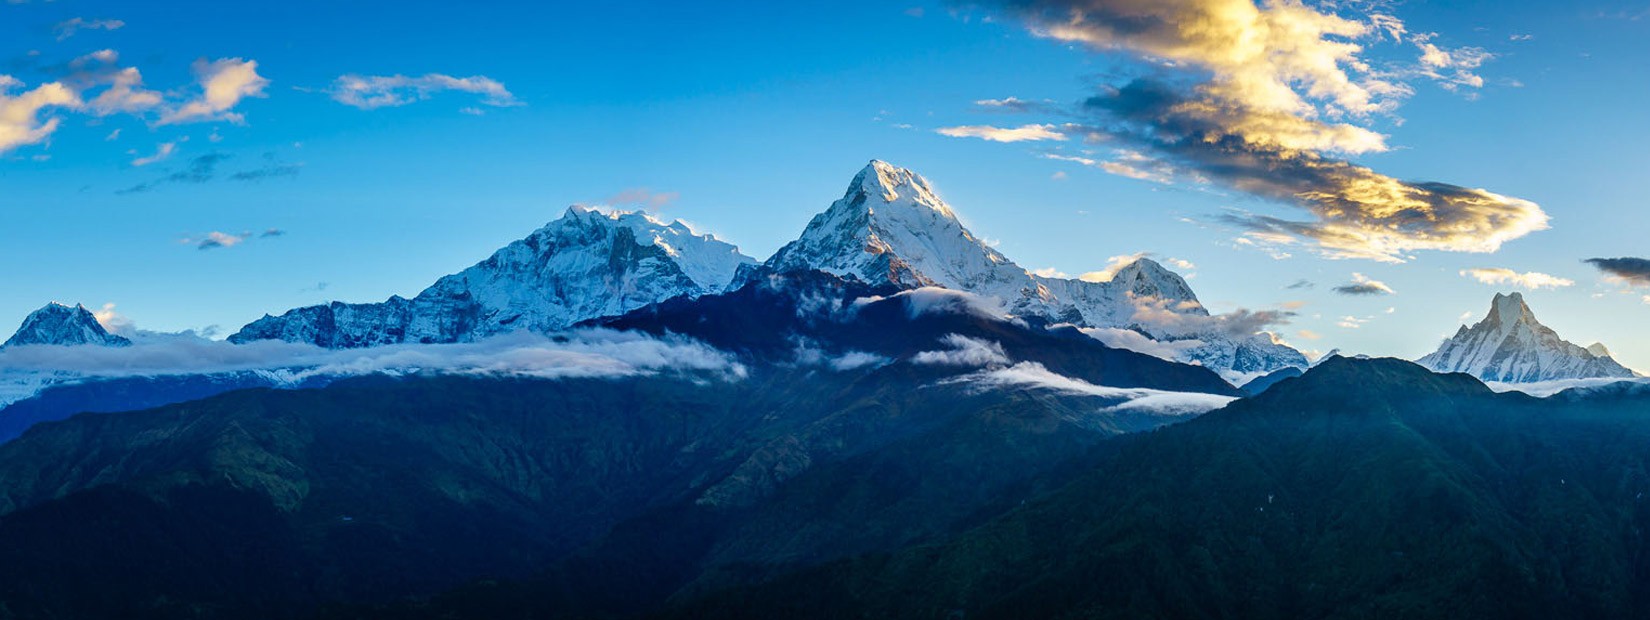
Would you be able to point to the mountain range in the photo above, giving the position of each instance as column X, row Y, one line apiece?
column 889, row 229
column 617, row 417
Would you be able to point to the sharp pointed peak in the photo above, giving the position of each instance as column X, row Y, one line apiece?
column 1510, row 308
column 891, row 183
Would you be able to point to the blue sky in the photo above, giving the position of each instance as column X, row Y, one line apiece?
column 746, row 119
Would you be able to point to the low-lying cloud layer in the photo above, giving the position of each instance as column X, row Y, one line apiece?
column 1138, row 400
column 583, row 353
column 963, row 351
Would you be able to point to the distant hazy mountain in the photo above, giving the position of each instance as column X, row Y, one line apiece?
column 1511, row 346
column 57, row 324
column 586, row 264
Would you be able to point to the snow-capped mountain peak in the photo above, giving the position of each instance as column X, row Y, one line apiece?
column 59, row 324
column 1511, row 346
column 891, row 228
column 892, row 183
column 587, row 264
column 1147, row 278
column 1509, row 310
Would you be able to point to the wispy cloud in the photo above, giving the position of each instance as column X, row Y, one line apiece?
column 1013, row 104
column 216, row 239
column 378, row 91
column 271, row 168
column 69, row 27
column 1531, row 279
column 642, row 197
column 1138, row 400
column 1364, row 285
column 1023, row 133
column 963, row 351
column 163, row 151
column 223, row 83
column 200, row 169
column 1168, row 319
column 576, row 354
column 21, row 121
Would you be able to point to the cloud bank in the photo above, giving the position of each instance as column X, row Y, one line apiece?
column 582, row 353
column 1268, row 100
column 1138, row 400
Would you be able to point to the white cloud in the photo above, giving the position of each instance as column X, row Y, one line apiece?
column 1531, row 279
column 20, row 122
column 809, row 353
column 377, row 91
column 68, row 28
column 1179, row 319
column 1023, row 133
column 1138, row 400
column 1113, row 265
column 1140, row 343
column 932, row 300
column 579, row 353
column 125, row 94
column 162, row 152
column 114, row 322
column 964, row 351
column 1543, row 389
column 224, row 83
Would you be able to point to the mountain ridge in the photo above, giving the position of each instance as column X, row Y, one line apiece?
column 586, row 264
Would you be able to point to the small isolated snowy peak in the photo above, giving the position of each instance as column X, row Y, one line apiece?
column 891, row 228
column 1511, row 346
column 587, row 264
column 58, row 324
